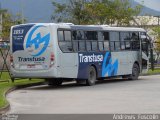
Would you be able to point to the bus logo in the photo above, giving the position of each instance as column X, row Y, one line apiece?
column 108, row 68
column 36, row 41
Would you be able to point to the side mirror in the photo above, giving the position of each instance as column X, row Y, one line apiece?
column 143, row 36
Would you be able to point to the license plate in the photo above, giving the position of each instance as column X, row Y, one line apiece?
column 31, row 66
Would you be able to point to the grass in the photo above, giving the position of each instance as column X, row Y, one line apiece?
column 156, row 71
column 4, row 76
column 6, row 85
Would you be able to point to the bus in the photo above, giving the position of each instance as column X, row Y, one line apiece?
column 59, row 52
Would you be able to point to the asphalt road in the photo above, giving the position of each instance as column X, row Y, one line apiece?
column 114, row 96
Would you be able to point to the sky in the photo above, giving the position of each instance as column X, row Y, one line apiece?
column 153, row 4
column 41, row 10
column 33, row 10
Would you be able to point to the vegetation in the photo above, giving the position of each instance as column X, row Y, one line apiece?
column 7, row 21
column 155, row 71
column 117, row 12
column 156, row 33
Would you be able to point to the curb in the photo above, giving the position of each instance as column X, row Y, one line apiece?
column 7, row 107
column 29, row 85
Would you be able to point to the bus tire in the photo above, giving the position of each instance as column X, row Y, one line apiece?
column 91, row 76
column 135, row 72
column 55, row 82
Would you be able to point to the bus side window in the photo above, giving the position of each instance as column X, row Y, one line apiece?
column 81, row 38
column 67, row 35
column 78, row 38
column 145, row 43
column 106, row 40
column 74, row 35
column 114, row 41
column 101, row 41
column 75, row 40
column 135, row 42
column 134, row 36
column 88, row 41
column 88, row 45
column 64, row 39
column 125, row 40
column 92, row 37
column 60, row 36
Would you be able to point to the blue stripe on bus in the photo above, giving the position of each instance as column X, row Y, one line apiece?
column 101, row 60
column 109, row 69
column 18, row 38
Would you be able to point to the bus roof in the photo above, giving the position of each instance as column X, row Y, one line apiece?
column 88, row 27
column 99, row 27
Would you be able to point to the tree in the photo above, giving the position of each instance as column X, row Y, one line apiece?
column 73, row 11
column 6, row 24
column 117, row 12
column 8, row 20
column 156, row 33
column 124, row 12
column 99, row 11
column 2, row 11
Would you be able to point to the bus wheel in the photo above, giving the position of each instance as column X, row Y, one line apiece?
column 135, row 72
column 91, row 76
column 55, row 82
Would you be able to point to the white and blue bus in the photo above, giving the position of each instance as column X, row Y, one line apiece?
column 85, row 53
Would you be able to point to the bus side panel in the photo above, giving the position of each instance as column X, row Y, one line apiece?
column 126, row 61
column 110, row 65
